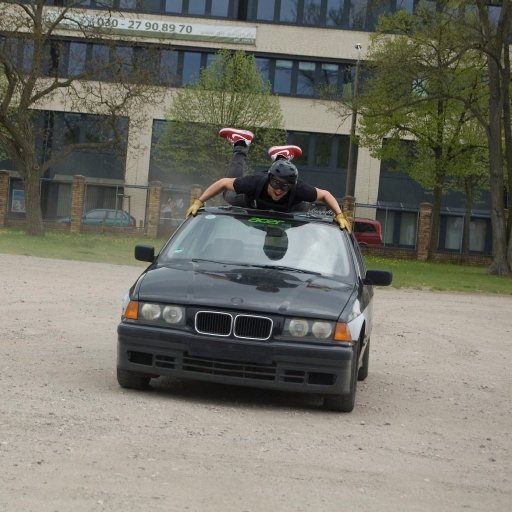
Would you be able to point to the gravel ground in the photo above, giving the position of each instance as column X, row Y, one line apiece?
column 431, row 430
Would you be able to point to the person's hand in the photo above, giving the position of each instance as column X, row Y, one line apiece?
column 343, row 222
column 193, row 208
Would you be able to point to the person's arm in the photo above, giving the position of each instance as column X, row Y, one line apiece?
column 214, row 189
column 339, row 217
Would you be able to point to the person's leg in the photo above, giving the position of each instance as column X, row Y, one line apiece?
column 240, row 140
column 236, row 170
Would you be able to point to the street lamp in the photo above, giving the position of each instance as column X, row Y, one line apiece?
column 350, row 184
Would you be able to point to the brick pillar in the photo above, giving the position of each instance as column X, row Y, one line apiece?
column 348, row 207
column 4, row 196
column 153, row 218
column 424, row 231
column 77, row 203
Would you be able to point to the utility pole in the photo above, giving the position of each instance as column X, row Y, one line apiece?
column 350, row 184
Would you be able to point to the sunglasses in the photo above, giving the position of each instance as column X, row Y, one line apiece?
column 277, row 184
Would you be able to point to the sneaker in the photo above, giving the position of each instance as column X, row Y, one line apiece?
column 288, row 152
column 235, row 135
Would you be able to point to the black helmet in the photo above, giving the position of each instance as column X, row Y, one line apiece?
column 284, row 169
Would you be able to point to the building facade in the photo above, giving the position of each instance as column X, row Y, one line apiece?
column 298, row 45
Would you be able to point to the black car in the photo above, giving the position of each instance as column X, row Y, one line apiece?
column 254, row 298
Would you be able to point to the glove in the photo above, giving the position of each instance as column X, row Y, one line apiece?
column 193, row 208
column 343, row 222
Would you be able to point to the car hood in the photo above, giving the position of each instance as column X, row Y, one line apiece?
column 266, row 290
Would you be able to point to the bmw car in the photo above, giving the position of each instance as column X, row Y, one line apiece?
column 255, row 298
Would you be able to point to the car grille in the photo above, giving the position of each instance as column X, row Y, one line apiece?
column 217, row 323
column 229, row 368
column 235, row 369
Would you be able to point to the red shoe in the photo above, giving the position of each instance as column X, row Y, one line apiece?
column 234, row 135
column 288, row 152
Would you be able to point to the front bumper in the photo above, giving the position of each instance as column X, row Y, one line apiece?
column 307, row 368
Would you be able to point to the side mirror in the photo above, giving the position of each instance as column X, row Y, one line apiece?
column 378, row 277
column 145, row 253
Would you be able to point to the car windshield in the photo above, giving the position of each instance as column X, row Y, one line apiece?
column 260, row 241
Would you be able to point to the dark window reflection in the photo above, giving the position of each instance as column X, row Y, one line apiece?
column 312, row 12
column 197, row 7
column 191, row 67
column 306, row 79
column 288, row 11
column 220, row 8
column 283, row 76
column 265, row 10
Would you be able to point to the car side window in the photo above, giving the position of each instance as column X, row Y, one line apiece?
column 96, row 214
column 359, row 257
column 364, row 227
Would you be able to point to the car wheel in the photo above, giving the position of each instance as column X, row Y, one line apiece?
column 363, row 371
column 344, row 403
column 131, row 380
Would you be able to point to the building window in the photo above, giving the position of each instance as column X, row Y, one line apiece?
column 408, row 222
column 128, row 4
column 265, row 10
column 264, row 67
column 77, row 56
column 149, row 6
column 288, row 11
column 191, row 67
column 173, row 6
column 313, row 13
column 283, row 77
column 477, row 235
column 220, row 8
column 323, row 150
column 306, row 79
column 124, row 61
column 169, row 68
column 337, row 14
column 301, row 139
column 342, row 156
column 99, row 60
column 197, row 7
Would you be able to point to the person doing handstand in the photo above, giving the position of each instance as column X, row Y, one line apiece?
column 278, row 189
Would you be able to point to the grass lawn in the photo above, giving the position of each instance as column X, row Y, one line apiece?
column 84, row 247
column 119, row 250
column 441, row 276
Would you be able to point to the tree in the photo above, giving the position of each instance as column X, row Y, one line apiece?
column 31, row 53
column 492, row 38
column 229, row 93
column 417, row 102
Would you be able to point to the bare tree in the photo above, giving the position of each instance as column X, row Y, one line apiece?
column 31, row 52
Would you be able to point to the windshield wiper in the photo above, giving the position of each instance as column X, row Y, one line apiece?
column 197, row 260
column 282, row 267
column 257, row 265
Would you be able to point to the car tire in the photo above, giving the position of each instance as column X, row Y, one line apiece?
column 363, row 371
column 344, row 403
column 132, row 380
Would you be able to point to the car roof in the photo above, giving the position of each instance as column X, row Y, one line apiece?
column 273, row 214
column 364, row 219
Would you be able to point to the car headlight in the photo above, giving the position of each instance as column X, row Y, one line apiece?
column 322, row 330
column 173, row 314
column 152, row 312
column 298, row 328
column 314, row 329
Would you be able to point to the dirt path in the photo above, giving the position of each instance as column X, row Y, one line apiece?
column 431, row 431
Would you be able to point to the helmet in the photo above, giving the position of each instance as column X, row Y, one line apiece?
column 284, row 169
